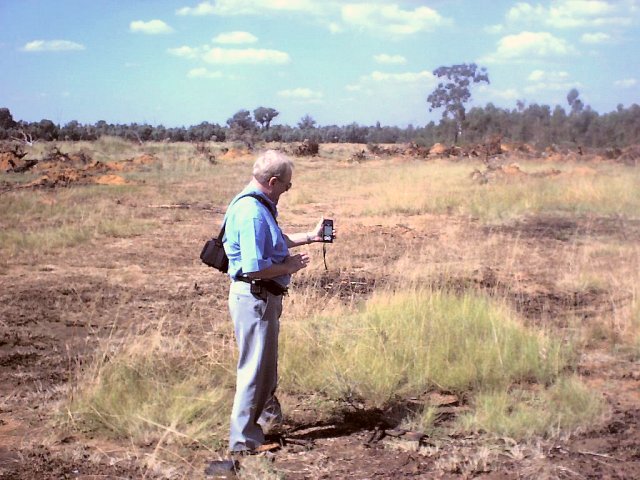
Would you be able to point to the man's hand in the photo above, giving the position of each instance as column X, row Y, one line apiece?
column 291, row 264
column 305, row 238
column 296, row 262
column 315, row 235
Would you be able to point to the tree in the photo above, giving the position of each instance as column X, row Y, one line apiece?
column 574, row 102
column 306, row 123
column 558, row 125
column 579, row 119
column 45, row 130
column 6, row 119
column 6, row 123
column 264, row 116
column 71, row 131
column 241, row 120
column 355, row 133
column 455, row 92
column 242, row 127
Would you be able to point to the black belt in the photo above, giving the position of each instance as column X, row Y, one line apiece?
column 270, row 286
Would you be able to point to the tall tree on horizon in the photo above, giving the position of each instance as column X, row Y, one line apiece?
column 453, row 92
column 264, row 116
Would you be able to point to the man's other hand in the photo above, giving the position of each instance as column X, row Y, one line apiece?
column 296, row 262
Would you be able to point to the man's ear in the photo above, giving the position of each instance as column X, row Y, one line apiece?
column 272, row 181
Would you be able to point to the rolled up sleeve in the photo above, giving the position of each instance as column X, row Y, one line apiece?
column 255, row 235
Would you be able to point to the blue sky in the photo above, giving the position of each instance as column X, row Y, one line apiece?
column 187, row 61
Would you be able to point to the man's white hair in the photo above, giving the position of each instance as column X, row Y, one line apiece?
column 271, row 163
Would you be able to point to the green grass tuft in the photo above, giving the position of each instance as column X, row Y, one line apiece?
column 154, row 389
column 565, row 406
column 406, row 343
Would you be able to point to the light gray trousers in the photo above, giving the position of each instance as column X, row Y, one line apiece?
column 257, row 324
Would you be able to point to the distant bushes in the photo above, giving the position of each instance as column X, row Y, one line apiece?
column 537, row 124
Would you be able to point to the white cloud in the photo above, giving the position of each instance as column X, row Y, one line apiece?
column 204, row 73
column 249, row 7
column 549, row 81
column 528, row 45
column 377, row 82
column 524, row 11
column 204, row 8
column 305, row 94
column 230, row 56
column 592, row 38
column 490, row 93
column 389, row 59
column 186, row 52
column 573, row 13
column 52, row 46
column 391, row 19
column 541, row 75
column 626, row 83
column 235, row 38
column 494, row 29
column 407, row 77
column 334, row 27
column 536, row 75
column 152, row 27
column 506, row 94
column 336, row 16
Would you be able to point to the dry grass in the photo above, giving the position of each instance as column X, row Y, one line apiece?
column 156, row 388
column 439, row 187
column 173, row 389
column 36, row 223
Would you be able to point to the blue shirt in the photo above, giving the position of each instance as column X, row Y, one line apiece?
column 253, row 240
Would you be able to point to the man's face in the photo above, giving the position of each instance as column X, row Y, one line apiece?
column 282, row 184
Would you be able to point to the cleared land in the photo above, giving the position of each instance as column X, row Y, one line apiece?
column 479, row 316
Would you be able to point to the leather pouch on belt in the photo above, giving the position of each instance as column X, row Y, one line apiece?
column 271, row 286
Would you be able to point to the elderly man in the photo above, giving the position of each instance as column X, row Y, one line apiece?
column 260, row 268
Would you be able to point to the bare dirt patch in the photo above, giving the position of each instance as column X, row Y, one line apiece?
column 344, row 285
column 565, row 229
column 12, row 157
column 58, row 169
column 41, row 462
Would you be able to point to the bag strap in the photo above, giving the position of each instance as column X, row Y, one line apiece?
column 261, row 199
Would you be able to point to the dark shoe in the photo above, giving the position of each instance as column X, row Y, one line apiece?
column 278, row 438
column 222, row 468
column 262, row 449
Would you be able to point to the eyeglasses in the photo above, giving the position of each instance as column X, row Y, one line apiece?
column 289, row 185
